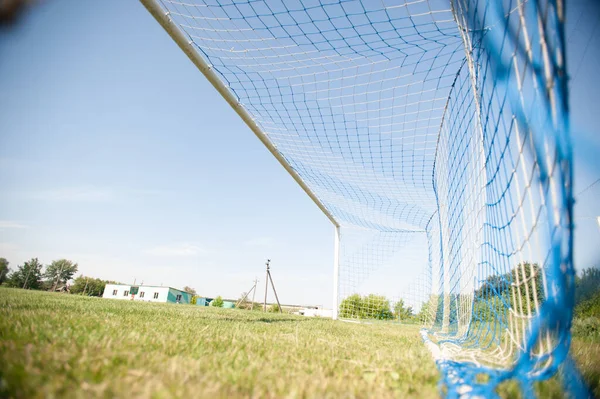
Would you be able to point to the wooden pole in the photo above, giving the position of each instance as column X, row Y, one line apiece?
column 86, row 284
column 27, row 277
column 273, row 285
column 254, row 293
column 266, row 286
column 245, row 296
column 58, row 277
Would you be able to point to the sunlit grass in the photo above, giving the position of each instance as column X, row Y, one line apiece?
column 61, row 345
column 58, row 345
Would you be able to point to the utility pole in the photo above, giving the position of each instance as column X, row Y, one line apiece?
column 276, row 297
column 87, row 279
column 58, row 277
column 27, row 277
column 253, row 289
column 254, row 293
column 266, row 286
column 269, row 278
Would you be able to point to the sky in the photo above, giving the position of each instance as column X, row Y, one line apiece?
column 117, row 153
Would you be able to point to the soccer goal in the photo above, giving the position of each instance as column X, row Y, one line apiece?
column 435, row 136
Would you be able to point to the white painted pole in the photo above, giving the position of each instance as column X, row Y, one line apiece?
column 336, row 272
column 187, row 45
column 598, row 221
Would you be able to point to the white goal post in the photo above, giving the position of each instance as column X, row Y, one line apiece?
column 187, row 47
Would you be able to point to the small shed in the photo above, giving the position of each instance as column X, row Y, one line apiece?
column 228, row 305
column 203, row 301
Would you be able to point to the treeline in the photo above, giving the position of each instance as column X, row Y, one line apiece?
column 520, row 289
column 376, row 307
column 586, row 322
column 33, row 275
column 89, row 286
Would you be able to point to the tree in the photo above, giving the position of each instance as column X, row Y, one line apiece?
column 497, row 290
column 274, row 308
column 351, row 306
column 528, row 277
column 492, row 309
column 368, row 307
column 494, row 285
column 4, row 270
column 88, row 286
column 28, row 275
column 190, row 290
column 402, row 312
column 376, row 307
column 426, row 313
column 218, row 302
column 587, row 285
column 59, row 272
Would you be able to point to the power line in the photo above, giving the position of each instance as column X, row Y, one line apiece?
column 585, row 50
column 588, row 187
column 577, row 25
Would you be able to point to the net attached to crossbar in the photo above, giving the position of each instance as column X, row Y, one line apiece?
column 435, row 135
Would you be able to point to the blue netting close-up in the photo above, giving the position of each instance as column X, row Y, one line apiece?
column 435, row 134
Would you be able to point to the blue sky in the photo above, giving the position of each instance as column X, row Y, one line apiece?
column 116, row 152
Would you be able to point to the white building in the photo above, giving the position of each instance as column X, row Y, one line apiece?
column 148, row 293
column 316, row 312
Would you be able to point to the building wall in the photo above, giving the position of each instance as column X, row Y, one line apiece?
column 149, row 292
column 228, row 305
column 311, row 312
column 117, row 291
column 173, row 295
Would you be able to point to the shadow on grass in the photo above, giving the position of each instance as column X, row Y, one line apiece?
column 265, row 320
column 286, row 320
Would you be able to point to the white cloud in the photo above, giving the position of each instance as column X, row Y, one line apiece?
column 259, row 242
column 8, row 224
column 75, row 194
column 90, row 193
column 181, row 249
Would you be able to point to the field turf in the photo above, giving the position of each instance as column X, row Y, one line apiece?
column 58, row 345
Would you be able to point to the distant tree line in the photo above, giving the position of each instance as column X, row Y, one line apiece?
column 90, row 286
column 32, row 275
column 519, row 289
column 586, row 322
column 374, row 306
column 587, row 285
column 522, row 287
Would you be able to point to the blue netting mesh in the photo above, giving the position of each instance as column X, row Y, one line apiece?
column 436, row 135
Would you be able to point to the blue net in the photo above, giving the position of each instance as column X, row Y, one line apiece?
column 435, row 135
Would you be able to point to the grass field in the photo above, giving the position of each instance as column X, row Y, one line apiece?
column 57, row 345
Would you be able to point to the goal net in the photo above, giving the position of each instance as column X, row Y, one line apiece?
column 434, row 135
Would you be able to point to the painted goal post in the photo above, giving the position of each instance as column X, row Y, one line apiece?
column 434, row 135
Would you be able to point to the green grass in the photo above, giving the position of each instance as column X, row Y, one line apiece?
column 61, row 345
column 57, row 345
